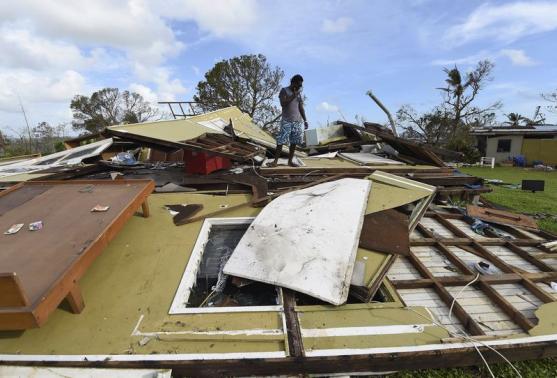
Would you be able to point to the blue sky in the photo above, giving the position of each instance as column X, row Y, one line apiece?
column 52, row 50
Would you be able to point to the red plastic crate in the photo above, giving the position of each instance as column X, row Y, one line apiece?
column 202, row 163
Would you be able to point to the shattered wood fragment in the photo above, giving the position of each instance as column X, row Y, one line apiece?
column 386, row 231
column 501, row 217
column 184, row 212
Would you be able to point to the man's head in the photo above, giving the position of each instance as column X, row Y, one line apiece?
column 296, row 82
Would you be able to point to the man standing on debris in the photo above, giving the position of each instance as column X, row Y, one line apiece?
column 293, row 114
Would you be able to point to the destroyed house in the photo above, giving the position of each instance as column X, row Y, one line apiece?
column 189, row 256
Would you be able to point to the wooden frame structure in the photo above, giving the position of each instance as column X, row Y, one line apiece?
column 20, row 309
column 481, row 247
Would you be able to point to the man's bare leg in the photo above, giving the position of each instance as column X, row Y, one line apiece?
column 277, row 155
column 291, row 155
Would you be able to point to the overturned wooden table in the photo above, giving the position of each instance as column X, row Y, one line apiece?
column 39, row 269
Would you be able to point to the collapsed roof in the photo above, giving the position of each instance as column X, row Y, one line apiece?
column 352, row 259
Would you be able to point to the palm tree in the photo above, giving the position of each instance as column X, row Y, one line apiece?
column 514, row 119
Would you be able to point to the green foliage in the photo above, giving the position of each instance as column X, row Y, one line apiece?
column 59, row 146
column 528, row 369
column 463, row 142
column 108, row 107
column 247, row 82
column 448, row 124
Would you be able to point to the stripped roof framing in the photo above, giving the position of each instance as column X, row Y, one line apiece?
column 509, row 273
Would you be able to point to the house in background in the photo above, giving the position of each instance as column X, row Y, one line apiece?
column 535, row 143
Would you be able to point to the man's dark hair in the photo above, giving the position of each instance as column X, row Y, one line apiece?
column 297, row 79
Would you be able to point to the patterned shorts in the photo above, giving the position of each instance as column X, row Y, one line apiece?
column 290, row 133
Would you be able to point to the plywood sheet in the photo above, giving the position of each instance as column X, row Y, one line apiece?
column 43, row 259
column 306, row 240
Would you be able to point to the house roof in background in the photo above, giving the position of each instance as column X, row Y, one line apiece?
column 518, row 130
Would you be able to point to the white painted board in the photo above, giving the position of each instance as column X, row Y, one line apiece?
column 306, row 240
column 369, row 158
column 54, row 372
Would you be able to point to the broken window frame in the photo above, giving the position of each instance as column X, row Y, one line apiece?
column 187, row 282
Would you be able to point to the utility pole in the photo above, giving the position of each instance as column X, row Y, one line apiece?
column 380, row 104
column 27, row 123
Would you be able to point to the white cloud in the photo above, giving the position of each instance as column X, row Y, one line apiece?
column 221, row 18
column 467, row 60
column 505, row 22
column 518, row 57
column 515, row 56
column 326, row 107
column 33, row 86
column 340, row 25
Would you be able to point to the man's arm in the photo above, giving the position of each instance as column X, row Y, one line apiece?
column 303, row 114
column 286, row 99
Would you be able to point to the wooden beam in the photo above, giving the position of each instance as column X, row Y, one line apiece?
column 11, row 291
column 512, row 312
column 294, row 333
column 145, row 208
column 75, row 300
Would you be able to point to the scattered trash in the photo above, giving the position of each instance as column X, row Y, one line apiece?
column 494, row 181
column 483, row 267
column 124, row 158
column 173, row 188
column 144, row 341
column 181, row 213
column 554, row 286
column 543, row 167
column 14, row 229
column 99, row 209
column 87, row 189
column 35, row 226
column 552, row 245
column 113, row 175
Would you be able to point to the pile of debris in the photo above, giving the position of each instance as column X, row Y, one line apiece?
column 356, row 259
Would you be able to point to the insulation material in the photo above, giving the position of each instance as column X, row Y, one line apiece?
column 289, row 244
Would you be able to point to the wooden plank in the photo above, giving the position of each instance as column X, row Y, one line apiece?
column 75, row 300
column 512, row 312
column 56, row 282
column 11, row 292
column 501, row 217
column 374, row 237
column 145, row 208
column 469, row 323
column 410, row 360
column 295, row 341
column 528, row 257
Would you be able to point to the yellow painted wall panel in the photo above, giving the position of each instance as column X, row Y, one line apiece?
column 540, row 149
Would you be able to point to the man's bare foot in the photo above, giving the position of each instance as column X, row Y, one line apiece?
column 292, row 164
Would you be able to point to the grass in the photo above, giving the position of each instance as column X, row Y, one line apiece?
column 528, row 369
column 521, row 201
